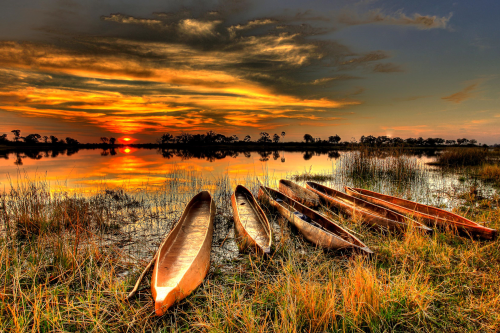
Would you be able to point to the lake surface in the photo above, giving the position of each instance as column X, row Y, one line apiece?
column 87, row 171
column 130, row 168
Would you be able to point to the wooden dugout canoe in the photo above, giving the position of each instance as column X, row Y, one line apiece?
column 431, row 216
column 250, row 223
column 183, row 259
column 298, row 193
column 370, row 214
column 314, row 227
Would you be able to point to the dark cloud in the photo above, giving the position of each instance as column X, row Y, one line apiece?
column 387, row 67
column 399, row 18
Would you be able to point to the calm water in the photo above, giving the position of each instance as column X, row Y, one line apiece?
column 88, row 170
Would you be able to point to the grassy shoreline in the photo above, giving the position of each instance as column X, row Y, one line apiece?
column 73, row 272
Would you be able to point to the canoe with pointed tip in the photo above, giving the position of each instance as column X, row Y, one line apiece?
column 370, row 214
column 250, row 223
column 431, row 216
column 183, row 258
column 299, row 193
column 316, row 228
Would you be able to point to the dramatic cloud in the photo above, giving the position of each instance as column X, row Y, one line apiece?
column 377, row 17
column 463, row 95
column 185, row 72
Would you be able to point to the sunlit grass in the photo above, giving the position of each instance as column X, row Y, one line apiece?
column 73, row 270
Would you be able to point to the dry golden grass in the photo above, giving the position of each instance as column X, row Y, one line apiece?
column 74, row 278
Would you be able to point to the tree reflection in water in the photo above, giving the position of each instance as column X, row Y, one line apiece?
column 210, row 155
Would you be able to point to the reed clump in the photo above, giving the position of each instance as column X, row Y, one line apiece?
column 490, row 172
column 368, row 165
column 453, row 157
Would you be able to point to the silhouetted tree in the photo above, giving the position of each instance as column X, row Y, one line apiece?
column 451, row 142
column 111, row 141
column 264, row 137
column 165, row 138
column 54, row 139
column 283, row 135
column 183, row 138
column 45, row 139
column 334, row 139
column 397, row 141
column 276, row 138
column 308, row 138
column 420, row 141
column 104, row 140
column 463, row 141
column 17, row 135
column 368, row 140
column 247, row 154
column 333, row 154
column 247, row 138
column 411, row 141
column 71, row 141
column 473, row 142
column 276, row 155
column 210, row 137
column 3, row 138
column 32, row 138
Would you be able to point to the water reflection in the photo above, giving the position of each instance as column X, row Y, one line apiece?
column 133, row 168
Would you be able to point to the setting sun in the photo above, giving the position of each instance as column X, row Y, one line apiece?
column 126, row 139
column 126, row 150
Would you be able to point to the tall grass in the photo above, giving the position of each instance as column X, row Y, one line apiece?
column 462, row 157
column 76, row 279
column 391, row 166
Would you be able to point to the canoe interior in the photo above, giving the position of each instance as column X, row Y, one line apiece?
column 312, row 217
column 251, row 218
column 299, row 193
column 175, row 258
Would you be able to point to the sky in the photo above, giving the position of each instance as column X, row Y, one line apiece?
column 124, row 68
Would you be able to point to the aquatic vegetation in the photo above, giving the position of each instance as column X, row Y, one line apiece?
column 462, row 157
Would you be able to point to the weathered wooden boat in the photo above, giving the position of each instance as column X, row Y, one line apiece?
column 183, row 259
column 299, row 193
column 431, row 216
column 250, row 223
column 370, row 214
column 316, row 228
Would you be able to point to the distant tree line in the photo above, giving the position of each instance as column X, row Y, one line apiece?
column 213, row 138
column 37, row 139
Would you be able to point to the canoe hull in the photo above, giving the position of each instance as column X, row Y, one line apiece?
column 245, row 234
column 370, row 214
column 299, row 193
column 431, row 216
column 195, row 261
column 313, row 234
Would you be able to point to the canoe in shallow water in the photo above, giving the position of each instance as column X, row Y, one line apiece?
column 250, row 223
column 183, row 258
column 431, row 216
column 369, row 213
column 299, row 193
column 314, row 227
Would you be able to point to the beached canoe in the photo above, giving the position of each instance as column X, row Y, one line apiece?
column 183, row 258
column 316, row 228
column 431, row 216
column 369, row 213
column 250, row 223
column 299, row 193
